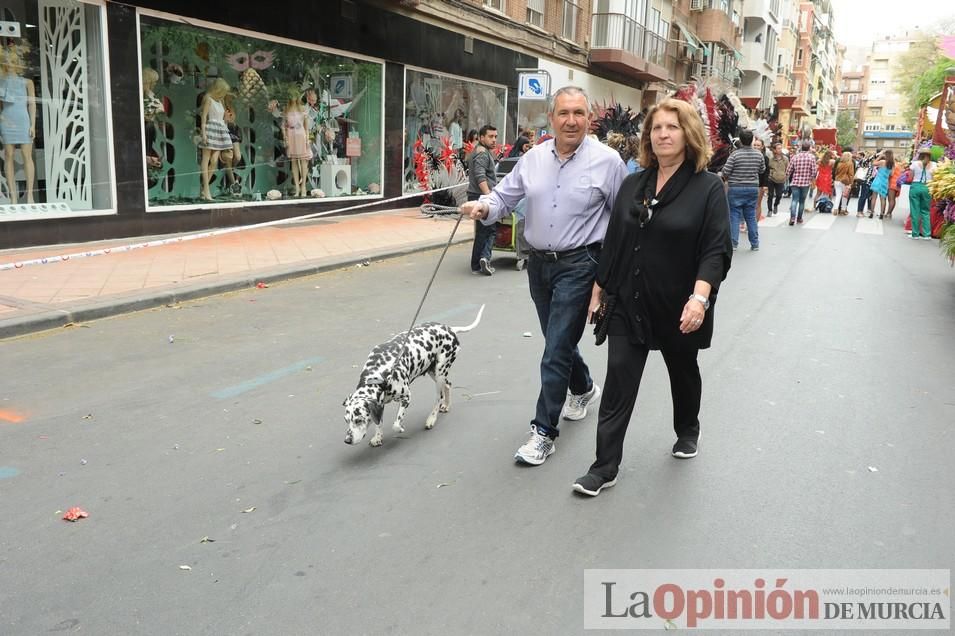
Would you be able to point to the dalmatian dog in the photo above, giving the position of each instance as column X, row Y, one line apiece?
column 391, row 368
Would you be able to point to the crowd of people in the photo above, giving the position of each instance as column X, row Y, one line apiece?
column 636, row 239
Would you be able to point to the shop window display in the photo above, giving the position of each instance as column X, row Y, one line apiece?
column 56, row 152
column 440, row 110
column 231, row 118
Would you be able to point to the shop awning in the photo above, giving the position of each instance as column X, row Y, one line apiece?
column 689, row 38
column 739, row 56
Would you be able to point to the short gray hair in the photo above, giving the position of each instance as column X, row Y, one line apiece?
column 572, row 91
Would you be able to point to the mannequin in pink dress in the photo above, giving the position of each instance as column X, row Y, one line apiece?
column 295, row 135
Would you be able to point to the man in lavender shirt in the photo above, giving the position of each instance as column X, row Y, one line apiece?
column 570, row 183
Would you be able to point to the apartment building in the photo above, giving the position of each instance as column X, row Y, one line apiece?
column 760, row 43
column 826, row 53
column 883, row 125
column 720, row 28
column 788, row 42
column 814, row 67
column 852, row 86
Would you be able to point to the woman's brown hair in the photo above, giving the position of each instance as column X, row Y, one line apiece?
column 697, row 145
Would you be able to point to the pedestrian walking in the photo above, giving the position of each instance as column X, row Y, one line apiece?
column 778, row 165
column 880, row 184
column 763, row 178
column 801, row 174
column 865, row 193
column 919, row 198
column 667, row 251
column 482, row 176
column 824, row 177
column 570, row 183
column 741, row 174
column 894, row 187
column 844, row 172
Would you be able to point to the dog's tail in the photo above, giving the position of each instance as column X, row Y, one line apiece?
column 472, row 325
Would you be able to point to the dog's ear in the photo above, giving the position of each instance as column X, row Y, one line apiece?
column 377, row 410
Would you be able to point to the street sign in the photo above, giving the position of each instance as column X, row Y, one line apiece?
column 534, row 86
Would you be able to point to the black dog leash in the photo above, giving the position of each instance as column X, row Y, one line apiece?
column 432, row 210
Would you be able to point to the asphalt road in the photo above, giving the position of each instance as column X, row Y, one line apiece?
column 222, row 419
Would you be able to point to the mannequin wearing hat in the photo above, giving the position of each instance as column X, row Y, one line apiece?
column 17, row 120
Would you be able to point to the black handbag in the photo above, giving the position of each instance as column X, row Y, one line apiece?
column 602, row 316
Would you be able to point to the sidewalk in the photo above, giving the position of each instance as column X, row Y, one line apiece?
column 38, row 297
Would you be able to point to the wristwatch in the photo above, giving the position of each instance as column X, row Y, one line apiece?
column 702, row 299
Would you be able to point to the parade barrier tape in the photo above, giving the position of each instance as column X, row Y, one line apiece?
column 191, row 237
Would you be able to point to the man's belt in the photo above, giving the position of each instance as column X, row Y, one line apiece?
column 553, row 257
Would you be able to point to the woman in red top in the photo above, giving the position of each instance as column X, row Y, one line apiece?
column 824, row 177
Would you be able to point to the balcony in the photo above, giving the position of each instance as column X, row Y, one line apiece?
column 714, row 25
column 754, row 59
column 765, row 10
column 622, row 45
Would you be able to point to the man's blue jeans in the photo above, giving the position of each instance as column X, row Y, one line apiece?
column 864, row 192
column 742, row 200
column 561, row 292
column 798, row 202
column 484, row 236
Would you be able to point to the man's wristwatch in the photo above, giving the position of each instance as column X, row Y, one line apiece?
column 702, row 299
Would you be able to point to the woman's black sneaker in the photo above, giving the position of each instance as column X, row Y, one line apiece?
column 685, row 448
column 591, row 484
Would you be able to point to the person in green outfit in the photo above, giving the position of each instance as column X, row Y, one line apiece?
column 919, row 198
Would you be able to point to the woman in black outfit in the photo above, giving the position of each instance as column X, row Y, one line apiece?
column 763, row 179
column 666, row 251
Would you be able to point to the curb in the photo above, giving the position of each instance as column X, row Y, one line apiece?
column 123, row 304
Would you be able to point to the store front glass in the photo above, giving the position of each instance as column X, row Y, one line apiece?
column 54, row 132
column 232, row 118
column 442, row 109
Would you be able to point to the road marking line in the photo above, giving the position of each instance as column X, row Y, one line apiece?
column 7, row 472
column 774, row 221
column 869, row 226
column 820, row 222
column 262, row 380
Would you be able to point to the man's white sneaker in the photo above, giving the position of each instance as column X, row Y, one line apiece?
column 536, row 449
column 576, row 406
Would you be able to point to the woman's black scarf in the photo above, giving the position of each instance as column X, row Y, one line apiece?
column 647, row 202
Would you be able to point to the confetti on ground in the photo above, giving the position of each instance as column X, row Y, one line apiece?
column 247, row 510
column 207, row 540
column 184, row 567
column 261, row 285
column 528, row 334
column 873, row 469
column 75, row 514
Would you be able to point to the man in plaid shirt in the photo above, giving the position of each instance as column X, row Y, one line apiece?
column 802, row 174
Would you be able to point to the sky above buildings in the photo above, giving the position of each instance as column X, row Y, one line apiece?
column 860, row 22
